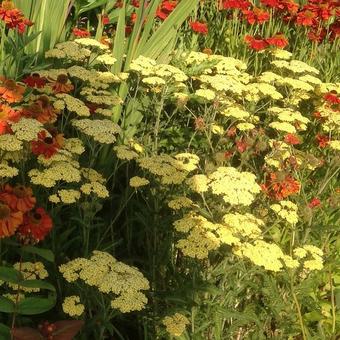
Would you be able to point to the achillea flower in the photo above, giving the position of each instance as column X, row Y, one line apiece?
column 72, row 306
column 256, row 43
column 37, row 224
column 9, row 220
column 18, row 198
column 80, row 32
column 199, row 27
column 10, row 91
column 35, row 81
column 45, row 145
column 62, row 84
column 278, row 40
column 175, row 324
column 7, row 114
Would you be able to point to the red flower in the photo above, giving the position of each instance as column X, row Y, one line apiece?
column 37, row 224
column 322, row 140
column 135, row 3
column 105, row 20
column 9, row 220
column 256, row 43
column 256, row 16
column 279, row 186
column 62, row 85
column 236, row 4
column 199, row 27
column 165, row 8
column 12, row 17
column 292, row 139
column 332, row 98
column 10, row 91
column 278, row 4
column 241, row 146
column 35, row 80
column 45, row 145
column 18, row 198
column 7, row 114
column 278, row 40
column 306, row 18
column 315, row 202
column 41, row 110
column 80, row 32
column 317, row 35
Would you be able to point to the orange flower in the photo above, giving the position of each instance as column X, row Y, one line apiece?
column 7, row 114
column 9, row 220
column 19, row 198
column 41, row 110
column 62, row 84
column 280, row 185
column 47, row 145
column 37, row 224
column 10, row 91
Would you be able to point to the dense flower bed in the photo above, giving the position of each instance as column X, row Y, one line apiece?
column 193, row 198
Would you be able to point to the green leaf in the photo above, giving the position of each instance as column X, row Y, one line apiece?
column 35, row 305
column 11, row 275
column 44, row 253
column 4, row 332
column 6, row 306
column 37, row 284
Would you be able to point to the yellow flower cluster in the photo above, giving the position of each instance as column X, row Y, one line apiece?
column 68, row 50
column 101, row 97
column 66, row 196
column 74, row 105
column 202, row 236
column 58, row 171
column 180, row 202
column 311, row 257
column 246, row 225
column 7, row 170
column 125, row 153
column 175, row 324
column 27, row 129
column 95, row 188
column 30, row 271
column 74, row 145
column 267, row 255
column 198, row 183
column 91, row 43
column 170, row 170
column 286, row 210
column 136, row 182
column 291, row 116
column 237, row 188
column 10, row 143
column 123, row 284
column 102, row 131
column 72, row 306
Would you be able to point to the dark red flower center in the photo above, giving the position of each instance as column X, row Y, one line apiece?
column 62, row 79
column 5, row 211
